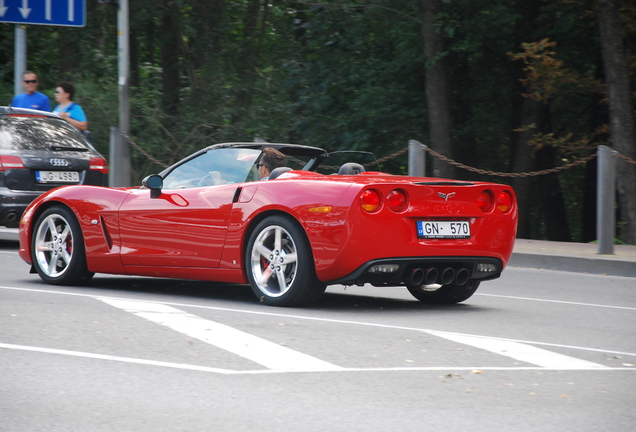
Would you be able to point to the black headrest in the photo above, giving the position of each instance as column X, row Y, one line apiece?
column 351, row 168
column 278, row 171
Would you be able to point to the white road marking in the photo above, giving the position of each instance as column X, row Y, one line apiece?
column 113, row 358
column 522, row 348
column 182, row 366
column 558, row 301
column 519, row 351
column 261, row 351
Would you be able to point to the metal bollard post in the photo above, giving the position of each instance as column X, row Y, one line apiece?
column 417, row 159
column 114, row 156
column 606, row 200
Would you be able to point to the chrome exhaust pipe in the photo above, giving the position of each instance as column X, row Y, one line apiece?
column 462, row 276
column 431, row 276
column 416, row 277
column 448, row 276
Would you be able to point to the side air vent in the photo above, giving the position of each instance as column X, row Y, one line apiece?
column 109, row 242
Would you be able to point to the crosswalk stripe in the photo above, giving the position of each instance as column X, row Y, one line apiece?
column 258, row 350
column 519, row 351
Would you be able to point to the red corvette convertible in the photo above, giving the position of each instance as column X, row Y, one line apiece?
column 312, row 224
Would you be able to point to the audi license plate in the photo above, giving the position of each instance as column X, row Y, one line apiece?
column 443, row 229
column 57, row 176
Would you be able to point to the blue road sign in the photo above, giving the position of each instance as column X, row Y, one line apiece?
column 70, row 13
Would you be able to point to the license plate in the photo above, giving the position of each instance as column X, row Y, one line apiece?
column 443, row 229
column 57, row 176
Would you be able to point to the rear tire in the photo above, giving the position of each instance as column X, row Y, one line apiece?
column 446, row 294
column 280, row 265
column 57, row 248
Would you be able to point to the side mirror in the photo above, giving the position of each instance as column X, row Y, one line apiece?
column 154, row 182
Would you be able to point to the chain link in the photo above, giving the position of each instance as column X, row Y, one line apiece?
column 626, row 158
column 150, row 157
column 393, row 156
column 502, row 174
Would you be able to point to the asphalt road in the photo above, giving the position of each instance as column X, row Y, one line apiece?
column 534, row 350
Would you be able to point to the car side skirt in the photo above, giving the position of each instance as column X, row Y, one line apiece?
column 192, row 273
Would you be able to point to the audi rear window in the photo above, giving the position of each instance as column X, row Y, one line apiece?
column 38, row 133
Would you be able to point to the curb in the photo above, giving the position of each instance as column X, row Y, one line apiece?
column 9, row 234
column 593, row 265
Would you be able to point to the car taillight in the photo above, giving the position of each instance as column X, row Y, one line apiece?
column 10, row 162
column 370, row 200
column 484, row 201
column 396, row 200
column 99, row 164
column 504, row 201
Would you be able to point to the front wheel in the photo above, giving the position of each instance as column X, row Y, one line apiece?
column 280, row 265
column 444, row 294
column 57, row 248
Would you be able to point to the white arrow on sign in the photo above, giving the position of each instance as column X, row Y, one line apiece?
column 25, row 10
column 3, row 8
column 71, row 10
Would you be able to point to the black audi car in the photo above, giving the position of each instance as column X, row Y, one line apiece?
column 40, row 151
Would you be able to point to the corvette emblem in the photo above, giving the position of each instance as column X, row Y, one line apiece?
column 59, row 162
column 446, row 196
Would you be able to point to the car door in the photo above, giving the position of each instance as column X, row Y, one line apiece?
column 184, row 228
column 186, row 225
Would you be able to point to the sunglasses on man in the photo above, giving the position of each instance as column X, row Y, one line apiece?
column 30, row 81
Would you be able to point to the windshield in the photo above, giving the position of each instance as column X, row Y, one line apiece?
column 215, row 167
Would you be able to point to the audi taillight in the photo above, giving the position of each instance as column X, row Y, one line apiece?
column 370, row 200
column 504, row 201
column 99, row 164
column 10, row 162
column 485, row 200
column 396, row 200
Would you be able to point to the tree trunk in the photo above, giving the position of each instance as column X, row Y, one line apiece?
column 439, row 116
column 554, row 224
column 134, row 58
column 67, row 58
column 623, row 132
column 169, row 59
column 249, row 58
column 523, row 161
column 207, row 38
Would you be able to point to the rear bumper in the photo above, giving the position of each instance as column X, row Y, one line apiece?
column 12, row 205
column 423, row 270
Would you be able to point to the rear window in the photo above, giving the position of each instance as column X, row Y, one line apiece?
column 37, row 133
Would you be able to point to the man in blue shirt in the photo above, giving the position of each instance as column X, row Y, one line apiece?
column 31, row 98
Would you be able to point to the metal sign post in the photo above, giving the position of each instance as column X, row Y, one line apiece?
column 20, row 57
column 120, row 173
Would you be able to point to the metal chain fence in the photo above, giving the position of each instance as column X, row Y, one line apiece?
column 437, row 155
column 526, row 174
column 143, row 152
column 502, row 174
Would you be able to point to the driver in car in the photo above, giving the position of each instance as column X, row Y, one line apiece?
column 270, row 159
